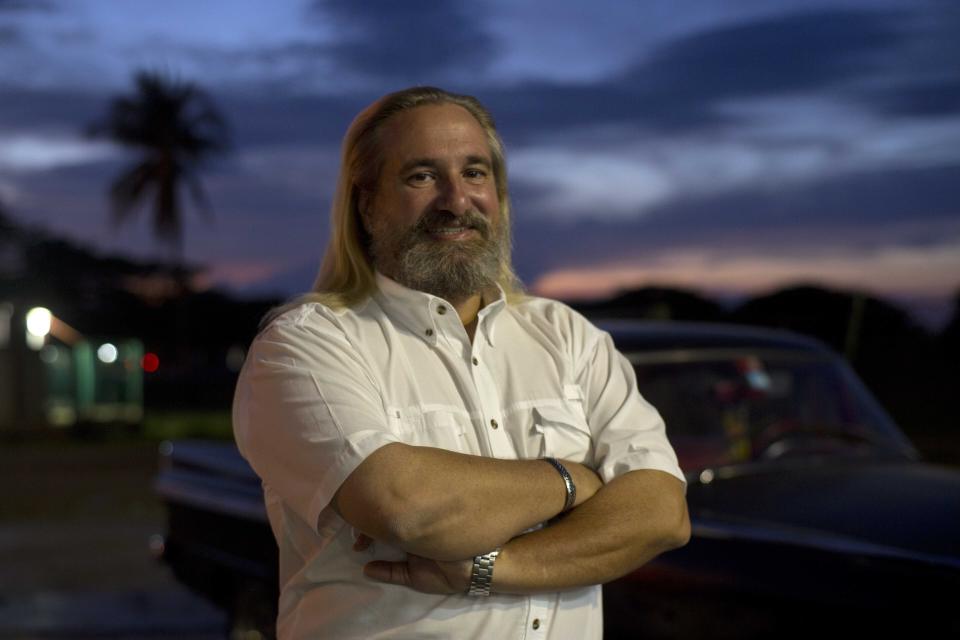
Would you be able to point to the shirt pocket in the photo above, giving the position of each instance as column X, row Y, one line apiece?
column 439, row 428
column 562, row 432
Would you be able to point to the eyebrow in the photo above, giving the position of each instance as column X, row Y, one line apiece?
column 431, row 163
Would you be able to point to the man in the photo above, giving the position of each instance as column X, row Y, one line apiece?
column 442, row 456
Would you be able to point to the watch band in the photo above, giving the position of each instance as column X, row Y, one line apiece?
column 481, row 578
column 567, row 481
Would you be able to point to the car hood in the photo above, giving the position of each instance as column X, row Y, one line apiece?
column 898, row 507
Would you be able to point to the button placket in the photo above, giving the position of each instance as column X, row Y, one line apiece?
column 539, row 612
column 496, row 439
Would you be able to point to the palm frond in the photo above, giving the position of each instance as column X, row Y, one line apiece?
column 176, row 126
column 167, row 221
column 127, row 191
column 199, row 196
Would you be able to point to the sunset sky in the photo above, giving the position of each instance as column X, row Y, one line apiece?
column 726, row 146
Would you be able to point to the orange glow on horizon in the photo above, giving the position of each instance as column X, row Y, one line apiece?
column 914, row 272
column 237, row 273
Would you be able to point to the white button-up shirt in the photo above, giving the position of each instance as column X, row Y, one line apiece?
column 323, row 388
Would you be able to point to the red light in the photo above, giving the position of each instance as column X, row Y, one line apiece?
column 150, row 362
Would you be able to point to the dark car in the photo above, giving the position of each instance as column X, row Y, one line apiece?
column 811, row 511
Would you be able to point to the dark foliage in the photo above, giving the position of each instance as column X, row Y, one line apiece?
column 655, row 303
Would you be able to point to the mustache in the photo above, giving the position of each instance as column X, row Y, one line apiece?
column 437, row 219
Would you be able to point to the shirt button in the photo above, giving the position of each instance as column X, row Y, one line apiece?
column 429, row 332
column 441, row 309
column 475, row 361
column 494, row 424
column 536, row 623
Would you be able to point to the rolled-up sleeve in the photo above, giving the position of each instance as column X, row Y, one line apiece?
column 628, row 432
column 306, row 413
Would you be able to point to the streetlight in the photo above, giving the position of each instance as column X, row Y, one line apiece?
column 39, row 321
column 107, row 353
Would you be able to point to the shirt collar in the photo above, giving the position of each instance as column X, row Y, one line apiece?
column 427, row 315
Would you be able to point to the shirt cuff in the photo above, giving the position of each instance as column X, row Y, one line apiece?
column 641, row 460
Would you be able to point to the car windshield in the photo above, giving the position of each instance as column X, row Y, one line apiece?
column 725, row 407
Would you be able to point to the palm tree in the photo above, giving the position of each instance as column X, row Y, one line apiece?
column 175, row 126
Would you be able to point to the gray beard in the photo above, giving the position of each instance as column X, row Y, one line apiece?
column 453, row 271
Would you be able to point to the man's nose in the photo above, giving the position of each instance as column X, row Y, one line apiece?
column 453, row 197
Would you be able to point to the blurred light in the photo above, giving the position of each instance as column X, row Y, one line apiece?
column 235, row 357
column 706, row 476
column 157, row 545
column 35, row 342
column 39, row 320
column 49, row 353
column 107, row 353
column 6, row 314
column 150, row 362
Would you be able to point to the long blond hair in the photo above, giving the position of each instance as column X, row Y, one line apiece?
column 346, row 274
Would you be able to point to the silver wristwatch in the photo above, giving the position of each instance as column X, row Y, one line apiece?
column 567, row 481
column 482, row 576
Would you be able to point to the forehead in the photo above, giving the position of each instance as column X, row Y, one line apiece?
column 439, row 132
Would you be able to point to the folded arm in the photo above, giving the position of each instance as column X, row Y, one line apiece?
column 637, row 515
column 448, row 506
column 627, row 523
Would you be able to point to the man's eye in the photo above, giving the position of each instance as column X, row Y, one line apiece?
column 475, row 174
column 420, row 178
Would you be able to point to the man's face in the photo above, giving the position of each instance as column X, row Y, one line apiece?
column 434, row 217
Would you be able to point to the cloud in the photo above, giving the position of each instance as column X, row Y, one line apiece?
column 258, row 118
column 930, row 98
column 784, row 146
column 793, row 53
column 864, row 198
column 259, row 215
column 27, row 152
column 857, row 213
column 769, row 134
column 415, row 41
column 22, row 6
column 282, row 118
column 30, row 109
column 10, row 36
column 682, row 85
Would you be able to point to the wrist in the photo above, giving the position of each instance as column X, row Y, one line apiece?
column 569, row 485
column 481, row 576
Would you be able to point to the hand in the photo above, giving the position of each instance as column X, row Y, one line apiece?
column 423, row 574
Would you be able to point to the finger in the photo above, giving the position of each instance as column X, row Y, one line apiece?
column 390, row 572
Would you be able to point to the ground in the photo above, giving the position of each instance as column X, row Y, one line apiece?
column 76, row 523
